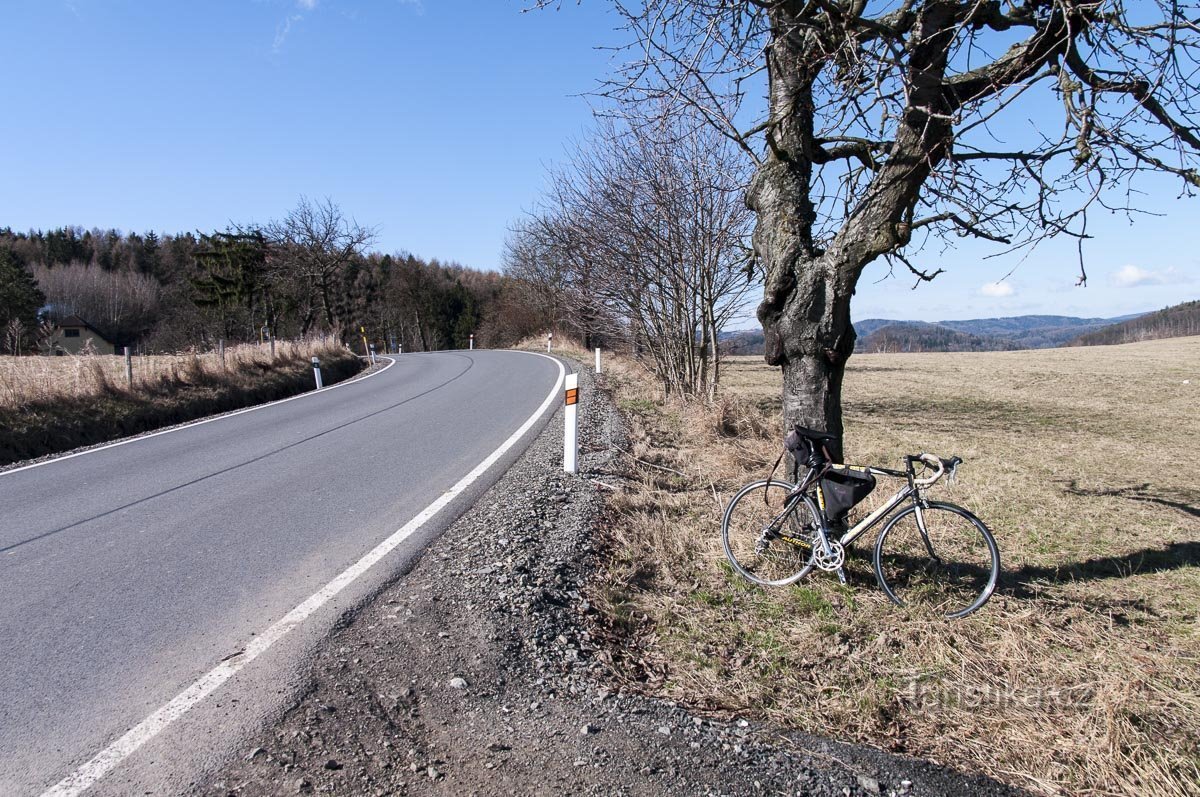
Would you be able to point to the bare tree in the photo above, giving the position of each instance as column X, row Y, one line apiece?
column 123, row 305
column 313, row 245
column 646, row 227
column 888, row 123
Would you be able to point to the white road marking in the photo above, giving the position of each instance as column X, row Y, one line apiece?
column 108, row 758
column 200, row 422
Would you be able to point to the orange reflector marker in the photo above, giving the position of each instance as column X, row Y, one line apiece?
column 572, row 396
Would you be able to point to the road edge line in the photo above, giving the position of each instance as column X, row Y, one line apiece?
column 110, row 757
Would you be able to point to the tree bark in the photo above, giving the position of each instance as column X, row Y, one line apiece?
column 805, row 310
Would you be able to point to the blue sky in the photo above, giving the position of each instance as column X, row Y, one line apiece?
column 432, row 120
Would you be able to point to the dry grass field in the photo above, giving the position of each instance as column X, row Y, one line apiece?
column 27, row 380
column 1081, row 676
column 52, row 404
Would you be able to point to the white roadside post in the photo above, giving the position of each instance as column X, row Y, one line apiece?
column 571, row 425
column 371, row 349
column 549, row 340
column 316, row 361
column 400, row 349
column 472, row 342
column 597, row 361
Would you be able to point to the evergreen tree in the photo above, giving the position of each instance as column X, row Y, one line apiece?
column 20, row 297
column 231, row 281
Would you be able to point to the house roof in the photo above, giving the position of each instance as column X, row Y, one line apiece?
column 76, row 321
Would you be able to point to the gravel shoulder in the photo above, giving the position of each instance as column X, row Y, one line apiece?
column 475, row 673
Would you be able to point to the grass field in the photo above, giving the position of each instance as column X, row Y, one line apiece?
column 1082, row 675
column 53, row 404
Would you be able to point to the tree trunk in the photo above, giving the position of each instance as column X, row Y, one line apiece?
column 805, row 310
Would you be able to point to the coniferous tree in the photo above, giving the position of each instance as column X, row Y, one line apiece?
column 20, row 298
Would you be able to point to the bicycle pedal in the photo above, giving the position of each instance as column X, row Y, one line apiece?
column 841, row 576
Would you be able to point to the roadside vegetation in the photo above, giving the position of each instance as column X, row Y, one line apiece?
column 54, row 404
column 1082, row 675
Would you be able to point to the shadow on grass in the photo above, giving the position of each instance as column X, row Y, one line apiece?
column 1141, row 492
column 1022, row 582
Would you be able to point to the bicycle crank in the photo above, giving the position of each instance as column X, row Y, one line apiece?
column 833, row 560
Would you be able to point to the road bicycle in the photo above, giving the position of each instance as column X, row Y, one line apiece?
column 930, row 554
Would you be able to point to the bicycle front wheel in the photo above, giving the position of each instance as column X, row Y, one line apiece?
column 938, row 558
column 767, row 541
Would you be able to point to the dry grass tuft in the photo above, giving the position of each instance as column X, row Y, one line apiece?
column 52, row 404
column 1082, row 675
column 33, row 380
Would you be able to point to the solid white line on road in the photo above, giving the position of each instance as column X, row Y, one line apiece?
column 108, row 758
column 200, row 422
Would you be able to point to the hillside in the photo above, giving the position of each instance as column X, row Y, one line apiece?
column 978, row 334
column 1172, row 322
column 918, row 336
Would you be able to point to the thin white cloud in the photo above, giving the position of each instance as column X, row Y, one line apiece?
column 1133, row 276
column 285, row 27
column 1130, row 276
column 997, row 290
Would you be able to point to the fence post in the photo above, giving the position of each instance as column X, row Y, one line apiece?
column 571, row 425
column 272, row 347
column 221, row 351
column 128, row 368
column 597, row 361
column 316, row 361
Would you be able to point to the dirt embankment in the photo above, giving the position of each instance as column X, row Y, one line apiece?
column 61, row 423
column 484, row 671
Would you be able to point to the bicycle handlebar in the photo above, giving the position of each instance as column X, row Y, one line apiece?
column 941, row 465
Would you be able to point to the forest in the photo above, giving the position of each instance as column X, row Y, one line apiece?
column 309, row 273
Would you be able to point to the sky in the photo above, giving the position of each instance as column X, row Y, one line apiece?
column 432, row 121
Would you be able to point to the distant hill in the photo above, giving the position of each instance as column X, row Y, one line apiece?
column 1172, row 322
column 749, row 341
column 916, row 336
column 980, row 334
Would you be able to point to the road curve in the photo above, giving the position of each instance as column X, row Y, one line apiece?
column 129, row 572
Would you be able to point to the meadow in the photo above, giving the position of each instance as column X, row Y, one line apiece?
column 54, row 404
column 1081, row 676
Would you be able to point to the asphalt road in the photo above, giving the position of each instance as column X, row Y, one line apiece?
column 128, row 572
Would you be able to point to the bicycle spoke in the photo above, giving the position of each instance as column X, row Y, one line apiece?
column 765, row 543
column 946, row 565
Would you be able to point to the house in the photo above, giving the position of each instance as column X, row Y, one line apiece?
column 72, row 334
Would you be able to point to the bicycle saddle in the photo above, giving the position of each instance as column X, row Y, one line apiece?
column 813, row 434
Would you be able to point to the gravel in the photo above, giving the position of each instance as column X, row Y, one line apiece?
column 475, row 674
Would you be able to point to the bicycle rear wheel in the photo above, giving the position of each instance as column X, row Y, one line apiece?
column 767, row 542
column 938, row 558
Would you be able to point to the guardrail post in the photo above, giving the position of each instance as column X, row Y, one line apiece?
column 128, row 368
column 571, row 425
column 316, row 362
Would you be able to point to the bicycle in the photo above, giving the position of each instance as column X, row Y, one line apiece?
column 930, row 554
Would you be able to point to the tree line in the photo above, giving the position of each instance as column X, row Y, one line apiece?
column 310, row 272
column 1181, row 320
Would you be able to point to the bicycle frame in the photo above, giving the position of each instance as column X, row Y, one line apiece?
column 910, row 490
